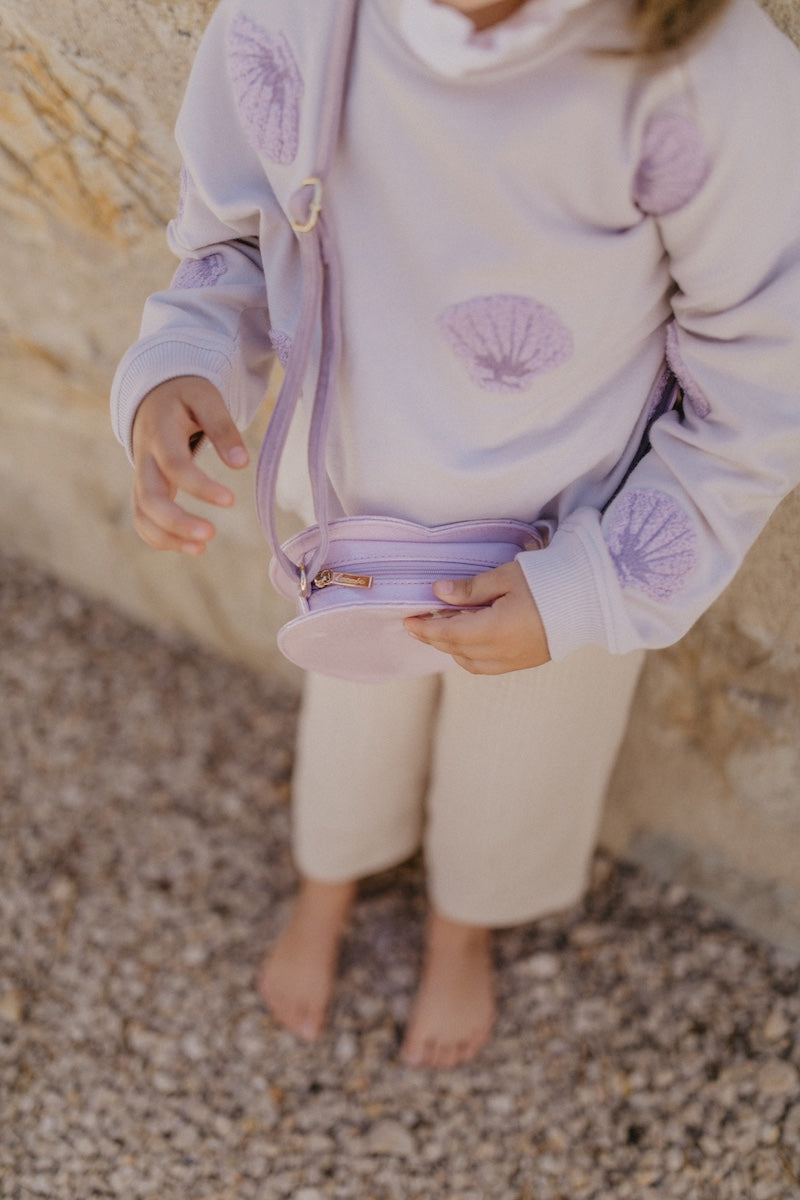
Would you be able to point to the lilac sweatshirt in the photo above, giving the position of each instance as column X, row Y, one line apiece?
column 528, row 230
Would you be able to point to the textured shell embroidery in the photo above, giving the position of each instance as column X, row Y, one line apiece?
column 673, row 166
column 691, row 389
column 506, row 341
column 199, row 272
column 268, row 88
column 651, row 541
column 281, row 343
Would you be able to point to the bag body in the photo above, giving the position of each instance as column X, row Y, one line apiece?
column 378, row 570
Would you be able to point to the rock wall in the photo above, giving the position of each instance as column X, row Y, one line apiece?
column 708, row 782
column 88, row 178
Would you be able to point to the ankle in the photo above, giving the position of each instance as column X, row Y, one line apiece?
column 325, row 904
column 442, row 931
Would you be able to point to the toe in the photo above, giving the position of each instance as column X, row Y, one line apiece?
column 308, row 1024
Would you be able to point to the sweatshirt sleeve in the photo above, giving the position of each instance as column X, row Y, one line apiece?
column 212, row 320
column 720, row 175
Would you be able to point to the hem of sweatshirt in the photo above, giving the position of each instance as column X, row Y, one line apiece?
column 155, row 360
column 563, row 583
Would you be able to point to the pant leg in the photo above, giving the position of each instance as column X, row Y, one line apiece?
column 361, row 769
column 521, row 764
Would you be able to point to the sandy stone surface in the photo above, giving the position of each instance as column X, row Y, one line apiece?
column 645, row 1048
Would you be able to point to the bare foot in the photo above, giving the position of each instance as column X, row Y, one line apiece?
column 296, row 978
column 454, row 1010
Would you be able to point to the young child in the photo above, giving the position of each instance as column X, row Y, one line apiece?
column 537, row 206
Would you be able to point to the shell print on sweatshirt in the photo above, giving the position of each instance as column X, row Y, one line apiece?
column 530, row 232
column 651, row 542
column 268, row 88
column 505, row 340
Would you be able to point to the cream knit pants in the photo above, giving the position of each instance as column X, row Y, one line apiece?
column 500, row 779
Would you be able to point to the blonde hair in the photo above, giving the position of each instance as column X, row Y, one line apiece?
column 660, row 26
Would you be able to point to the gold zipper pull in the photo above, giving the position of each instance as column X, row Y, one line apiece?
column 327, row 578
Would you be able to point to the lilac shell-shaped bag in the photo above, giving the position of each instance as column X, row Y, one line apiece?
column 378, row 571
column 354, row 579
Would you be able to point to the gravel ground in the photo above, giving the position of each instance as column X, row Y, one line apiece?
column 645, row 1048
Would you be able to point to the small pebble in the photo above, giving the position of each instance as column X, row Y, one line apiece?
column 778, row 1078
column 63, row 889
column 193, row 1047
column 539, row 966
column 392, row 1138
column 777, row 1026
column 11, row 1006
column 346, row 1047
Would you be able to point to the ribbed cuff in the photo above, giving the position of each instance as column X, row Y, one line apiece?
column 564, row 587
column 153, row 361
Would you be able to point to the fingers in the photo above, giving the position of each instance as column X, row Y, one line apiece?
column 159, row 520
column 478, row 590
column 457, row 632
column 208, row 409
column 165, row 432
column 504, row 634
column 159, row 539
column 182, row 471
column 168, row 424
column 446, row 630
column 466, row 636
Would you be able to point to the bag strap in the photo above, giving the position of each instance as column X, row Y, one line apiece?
column 321, row 301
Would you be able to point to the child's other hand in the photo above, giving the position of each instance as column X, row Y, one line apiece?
column 508, row 635
column 165, row 421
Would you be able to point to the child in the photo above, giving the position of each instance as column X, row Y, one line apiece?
column 537, row 205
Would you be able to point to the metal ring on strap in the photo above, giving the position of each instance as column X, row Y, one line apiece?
column 305, row 585
column 314, row 207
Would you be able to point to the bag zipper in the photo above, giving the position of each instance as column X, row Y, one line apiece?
column 327, row 578
column 423, row 572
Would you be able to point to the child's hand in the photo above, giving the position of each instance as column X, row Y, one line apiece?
column 166, row 419
column 507, row 636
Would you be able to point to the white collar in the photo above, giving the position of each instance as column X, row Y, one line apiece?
column 447, row 41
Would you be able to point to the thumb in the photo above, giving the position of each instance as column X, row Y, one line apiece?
column 478, row 590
